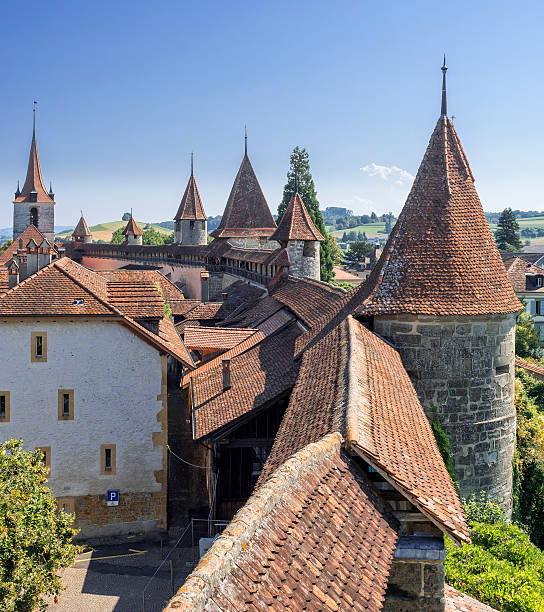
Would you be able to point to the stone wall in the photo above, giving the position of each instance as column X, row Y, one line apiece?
column 46, row 218
column 465, row 367
column 304, row 259
column 197, row 235
column 264, row 244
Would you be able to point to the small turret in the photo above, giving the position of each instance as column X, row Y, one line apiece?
column 296, row 232
column 190, row 222
column 81, row 232
column 133, row 234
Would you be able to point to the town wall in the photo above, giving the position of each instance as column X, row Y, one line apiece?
column 119, row 384
column 263, row 243
column 465, row 367
column 46, row 218
column 197, row 235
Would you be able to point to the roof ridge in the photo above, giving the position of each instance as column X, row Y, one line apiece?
column 222, row 555
column 29, row 278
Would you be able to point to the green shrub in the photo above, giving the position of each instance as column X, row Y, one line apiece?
column 443, row 443
column 482, row 509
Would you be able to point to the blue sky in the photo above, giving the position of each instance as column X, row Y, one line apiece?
column 127, row 89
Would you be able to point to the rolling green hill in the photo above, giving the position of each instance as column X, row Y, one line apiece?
column 104, row 231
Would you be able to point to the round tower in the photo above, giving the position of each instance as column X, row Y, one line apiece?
column 297, row 233
column 190, row 222
column 81, row 233
column 440, row 294
column 33, row 205
column 133, row 234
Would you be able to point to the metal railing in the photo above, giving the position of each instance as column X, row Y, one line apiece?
column 180, row 560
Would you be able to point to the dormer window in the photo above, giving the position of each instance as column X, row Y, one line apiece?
column 539, row 281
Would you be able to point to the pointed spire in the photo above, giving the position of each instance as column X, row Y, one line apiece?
column 51, row 192
column 18, row 192
column 191, row 206
column 245, row 140
column 192, row 165
column 444, row 109
column 34, row 189
column 296, row 223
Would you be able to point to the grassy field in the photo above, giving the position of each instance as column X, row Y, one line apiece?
column 104, row 231
column 370, row 229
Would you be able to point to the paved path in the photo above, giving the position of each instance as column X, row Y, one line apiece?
column 111, row 578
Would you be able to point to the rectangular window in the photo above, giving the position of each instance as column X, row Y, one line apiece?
column 107, row 459
column 4, row 406
column 46, row 456
column 66, row 404
column 38, row 347
column 66, row 504
column 537, row 307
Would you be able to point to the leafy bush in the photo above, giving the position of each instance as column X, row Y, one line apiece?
column 443, row 443
column 482, row 509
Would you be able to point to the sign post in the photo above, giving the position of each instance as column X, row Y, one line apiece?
column 112, row 498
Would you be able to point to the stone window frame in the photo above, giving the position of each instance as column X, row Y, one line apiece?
column 46, row 450
column 61, row 394
column 113, row 459
column 6, row 417
column 66, row 501
column 33, row 356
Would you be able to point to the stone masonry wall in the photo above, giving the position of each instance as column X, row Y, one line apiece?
column 465, row 367
column 255, row 243
column 197, row 235
column 46, row 218
column 301, row 265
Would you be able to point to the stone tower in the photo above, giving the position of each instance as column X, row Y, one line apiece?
column 33, row 205
column 247, row 221
column 440, row 294
column 297, row 233
column 81, row 232
column 190, row 222
column 133, row 234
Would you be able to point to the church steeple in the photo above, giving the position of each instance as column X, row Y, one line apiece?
column 444, row 108
column 34, row 189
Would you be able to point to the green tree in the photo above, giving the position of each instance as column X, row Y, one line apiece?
column 126, row 217
column 6, row 244
column 527, row 336
column 154, row 237
column 118, row 237
column 507, row 233
column 300, row 161
column 336, row 252
column 357, row 252
column 35, row 539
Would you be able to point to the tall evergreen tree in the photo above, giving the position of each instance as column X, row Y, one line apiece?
column 300, row 161
column 507, row 234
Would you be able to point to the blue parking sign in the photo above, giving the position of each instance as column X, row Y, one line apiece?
column 112, row 498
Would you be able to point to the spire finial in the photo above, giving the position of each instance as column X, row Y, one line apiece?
column 191, row 163
column 81, row 211
column 34, row 121
column 296, row 181
column 245, row 139
column 50, row 187
column 444, row 109
column 131, row 212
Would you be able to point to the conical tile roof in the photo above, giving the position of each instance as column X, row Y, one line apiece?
column 132, row 228
column 246, row 213
column 34, row 181
column 296, row 223
column 191, row 205
column 81, row 229
column 441, row 258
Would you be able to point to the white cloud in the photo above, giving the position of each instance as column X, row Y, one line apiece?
column 386, row 173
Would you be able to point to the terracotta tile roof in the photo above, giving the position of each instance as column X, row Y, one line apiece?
column 441, row 258
column 81, row 229
column 276, row 321
column 210, row 311
column 136, row 299
column 215, row 338
column 190, row 206
column 132, row 228
column 34, row 180
column 517, row 268
column 310, row 300
column 185, row 306
column 353, row 381
column 316, row 536
column 254, row 315
column 246, row 212
column 259, row 375
column 215, row 363
column 4, row 280
column 167, row 288
column 30, row 233
column 66, row 288
column 296, row 223
column 343, row 275
column 459, row 602
column 532, row 368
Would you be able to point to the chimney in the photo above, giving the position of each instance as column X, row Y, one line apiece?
column 31, row 257
column 13, row 273
column 226, row 374
column 44, row 255
column 204, row 286
column 21, row 260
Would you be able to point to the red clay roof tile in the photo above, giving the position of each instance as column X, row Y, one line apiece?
column 296, row 223
column 441, row 258
column 215, row 338
column 81, row 229
column 191, row 206
column 132, row 228
column 34, row 180
column 30, row 233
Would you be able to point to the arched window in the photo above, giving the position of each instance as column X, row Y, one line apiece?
column 34, row 217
